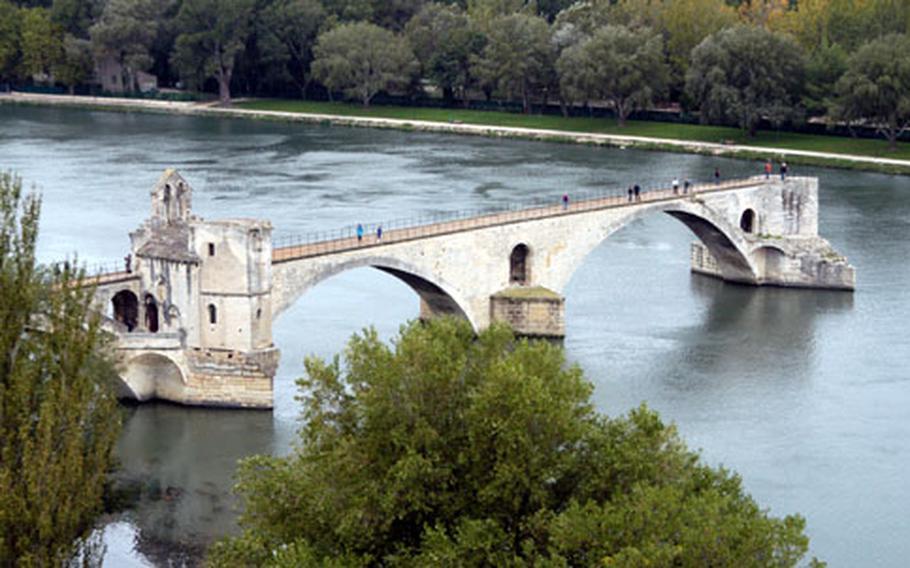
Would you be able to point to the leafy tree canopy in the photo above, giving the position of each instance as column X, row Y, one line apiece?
column 518, row 58
column 445, row 40
column 362, row 59
column 617, row 65
column 876, row 87
column 10, row 39
column 126, row 32
column 58, row 415
column 41, row 42
column 741, row 75
column 214, row 33
column 455, row 450
column 292, row 26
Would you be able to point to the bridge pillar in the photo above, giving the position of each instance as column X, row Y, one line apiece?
column 203, row 334
column 530, row 311
column 779, row 236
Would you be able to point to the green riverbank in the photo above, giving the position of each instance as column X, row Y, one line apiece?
column 766, row 144
column 827, row 151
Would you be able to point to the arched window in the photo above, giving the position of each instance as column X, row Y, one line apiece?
column 213, row 314
column 151, row 313
column 126, row 309
column 518, row 265
column 747, row 221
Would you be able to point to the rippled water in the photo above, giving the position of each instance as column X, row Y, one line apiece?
column 805, row 393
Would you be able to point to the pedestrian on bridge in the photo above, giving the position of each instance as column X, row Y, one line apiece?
column 675, row 186
column 783, row 171
column 686, row 185
column 379, row 233
column 716, row 175
column 630, row 193
column 768, row 168
column 359, row 232
column 637, row 190
column 565, row 200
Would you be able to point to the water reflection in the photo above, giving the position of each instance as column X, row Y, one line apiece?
column 751, row 330
column 182, row 461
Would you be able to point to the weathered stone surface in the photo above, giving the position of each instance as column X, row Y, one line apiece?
column 210, row 289
column 532, row 312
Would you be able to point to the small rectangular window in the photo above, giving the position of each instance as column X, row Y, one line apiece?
column 211, row 249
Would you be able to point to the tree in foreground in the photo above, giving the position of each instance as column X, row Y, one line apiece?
column 743, row 74
column 455, row 450
column 58, row 415
column 362, row 59
column 876, row 87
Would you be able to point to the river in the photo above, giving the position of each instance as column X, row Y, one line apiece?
column 805, row 393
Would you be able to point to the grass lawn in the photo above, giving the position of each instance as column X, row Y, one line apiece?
column 769, row 139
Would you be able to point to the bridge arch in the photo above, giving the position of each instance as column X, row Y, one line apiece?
column 152, row 375
column 725, row 241
column 437, row 296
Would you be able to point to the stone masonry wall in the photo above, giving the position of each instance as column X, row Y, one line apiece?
column 533, row 317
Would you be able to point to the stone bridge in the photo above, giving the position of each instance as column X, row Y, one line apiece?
column 193, row 313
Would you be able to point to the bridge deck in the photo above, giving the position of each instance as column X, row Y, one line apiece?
column 307, row 250
column 329, row 246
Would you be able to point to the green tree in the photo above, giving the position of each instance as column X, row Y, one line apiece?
column 743, row 74
column 518, row 58
column 58, row 415
column 616, row 65
column 77, row 64
column 76, row 16
column 10, row 39
column 686, row 23
column 451, row 450
column 444, row 41
column 214, row 33
column 294, row 25
column 876, row 87
column 362, row 59
column 824, row 68
column 125, row 32
column 42, row 42
column 395, row 14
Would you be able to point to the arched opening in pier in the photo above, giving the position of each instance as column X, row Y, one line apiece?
column 747, row 221
column 126, row 309
column 152, row 375
column 519, row 266
column 151, row 313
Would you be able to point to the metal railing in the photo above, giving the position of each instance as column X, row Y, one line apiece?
column 292, row 247
column 315, row 243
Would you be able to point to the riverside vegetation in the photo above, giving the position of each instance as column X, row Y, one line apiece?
column 453, row 449
column 59, row 418
column 739, row 63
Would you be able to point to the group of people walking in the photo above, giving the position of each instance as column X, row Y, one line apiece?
column 634, row 194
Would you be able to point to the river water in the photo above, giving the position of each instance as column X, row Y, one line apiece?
column 805, row 393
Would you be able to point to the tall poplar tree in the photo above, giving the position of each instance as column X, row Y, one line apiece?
column 58, row 415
